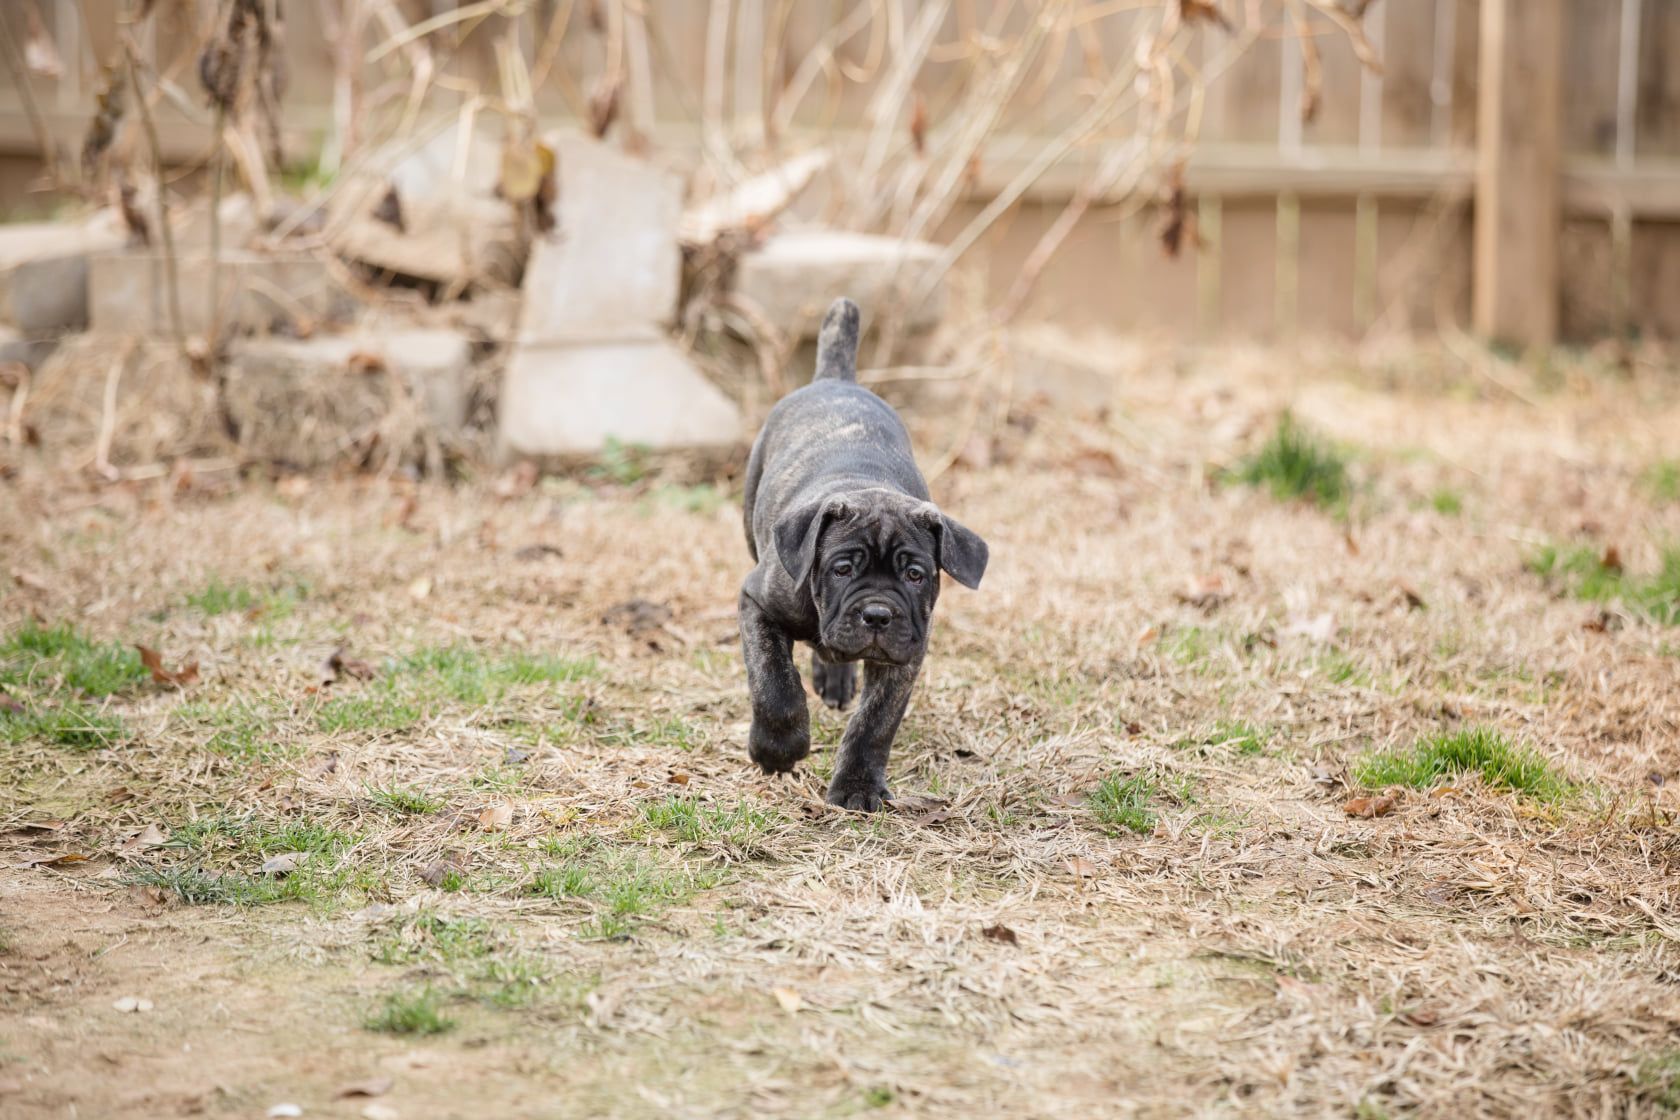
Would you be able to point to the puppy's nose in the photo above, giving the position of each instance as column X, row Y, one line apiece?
column 876, row 616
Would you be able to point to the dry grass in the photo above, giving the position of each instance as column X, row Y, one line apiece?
column 1130, row 751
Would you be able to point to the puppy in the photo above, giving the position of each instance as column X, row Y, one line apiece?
column 849, row 551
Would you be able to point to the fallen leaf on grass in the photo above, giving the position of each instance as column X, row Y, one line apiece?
column 283, row 864
column 1422, row 1017
column 1611, row 561
column 496, row 817
column 678, row 777
column 1001, row 934
column 1146, row 636
column 434, row 873
column 537, row 552
column 149, row 837
column 337, row 665
column 153, row 661
column 372, row 1087
column 1370, row 806
column 132, row 1003
column 1083, row 867
column 918, row 803
column 637, row 616
column 1203, row 592
column 789, row 999
column 1204, row 11
column 28, row 582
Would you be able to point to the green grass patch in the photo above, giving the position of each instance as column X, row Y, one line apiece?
column 80, row 727
column 409, row 802
column 433, row 938
column 417, row 1012
column 1122, row 802
column 378, row 710
column 700, row 822
column 198, row 887
column 1297, row 464
column 1233, row 735
column 467, row 676
column 1658, row 1081
column 620, row 884
column 232, row 730
column 36, row 657
column 1662, row 479
column 256, row 837
column 1584, row 574
column 622, row 464
column 1479, row 750
column 1447, row 502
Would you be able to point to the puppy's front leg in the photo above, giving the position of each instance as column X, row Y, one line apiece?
column 860, row 773
column 781, row 727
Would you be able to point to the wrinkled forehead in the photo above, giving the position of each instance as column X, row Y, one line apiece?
column 882, row 530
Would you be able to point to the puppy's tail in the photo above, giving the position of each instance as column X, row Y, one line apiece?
column 837, row 345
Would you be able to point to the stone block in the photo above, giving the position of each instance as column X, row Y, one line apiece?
column 612, row 268
column 795, row 275
column 304, row 401
column 129, row 294
column 572, row 398
column 44, row 273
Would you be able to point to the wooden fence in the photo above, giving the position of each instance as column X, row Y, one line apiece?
column 1515, row 166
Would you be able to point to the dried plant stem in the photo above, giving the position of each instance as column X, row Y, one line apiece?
column 165, row 236
column 26, row 94
column 218, row 160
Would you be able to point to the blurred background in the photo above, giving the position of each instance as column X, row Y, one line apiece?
column 1175, row 171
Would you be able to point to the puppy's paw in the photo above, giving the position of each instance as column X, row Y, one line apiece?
column 778, row 751
column 865, row 793
column 835, row 682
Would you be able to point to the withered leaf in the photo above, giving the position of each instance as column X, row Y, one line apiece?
column 1202, row 11
column 153, row 661
column 790, row 1000
column 918, row 803
column 1203, row 592
column 496, row 818
column 364, row 362
column 1083, row 868
column 55, row 860
column 372, row 1087
column 525, row 166
column 678, row 777
column 537, row 552
column 149, row 837
column 390, row 211
column 1611, row 561
column 283, row 864
column 1420, row 1017
column 1413, row 600
column 1368, row 807
column 337, row 665
column 1000, row 933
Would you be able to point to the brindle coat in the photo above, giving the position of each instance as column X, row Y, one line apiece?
column 849, row 550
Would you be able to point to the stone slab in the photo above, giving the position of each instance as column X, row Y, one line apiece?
column 796, row 274
column 572, row 399
column 612, row 267
column 44, row 273
column 128, row 292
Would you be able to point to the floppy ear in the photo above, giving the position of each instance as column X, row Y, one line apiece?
column 961, row 551
column 797, row 534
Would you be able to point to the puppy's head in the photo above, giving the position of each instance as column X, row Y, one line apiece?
column 870, row 560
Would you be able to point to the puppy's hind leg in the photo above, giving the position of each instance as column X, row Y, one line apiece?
column 835, row 681
column 781, row 725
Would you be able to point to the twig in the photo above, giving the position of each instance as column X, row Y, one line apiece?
column 26, row 93
column 108, row 413
column 170, row 274
column 14, row 413
column 1093, row 188
column 218, row 157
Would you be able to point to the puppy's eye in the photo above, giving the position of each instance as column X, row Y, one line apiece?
column 844, row 568
column 914, row 574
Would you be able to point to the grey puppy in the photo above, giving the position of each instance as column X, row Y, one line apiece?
column 849, row 552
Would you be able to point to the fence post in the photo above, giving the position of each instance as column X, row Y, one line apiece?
column 1515, row 295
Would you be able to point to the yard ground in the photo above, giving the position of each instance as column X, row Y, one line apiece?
column 512, row 860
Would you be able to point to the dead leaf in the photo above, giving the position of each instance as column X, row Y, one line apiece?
column 1000, row 933
column 420, row 588
column 1410, row 594
column 1147, row 636
column 537, row 552
column 55, row 860
column 678, row 777
column 56, row 826
column 435, row 873
column 1083, row 868
column 132, row 1004
column 525, row 166
column 1202, row 11
column 149, row 837
column 153, row 661
column 1422, row 1017
column 372, row 1087
column 1368, row 807
column 283, row 864
column 637, row 616
column 496, row 818
column 1178, row 225
column 337, row 665
column 28, row 582
column 918, row 803
column 363, row 363
column 1203, row 592
column 1611, row 561
column 789, row 999
column 1349, row 543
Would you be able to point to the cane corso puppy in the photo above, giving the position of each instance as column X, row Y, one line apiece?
column 849, row 552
